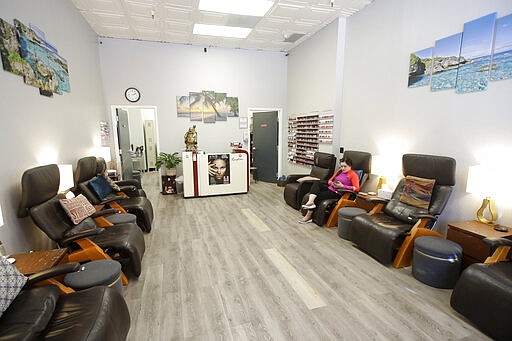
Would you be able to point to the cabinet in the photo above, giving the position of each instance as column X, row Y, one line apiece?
column 469, row 235
column 305, row 133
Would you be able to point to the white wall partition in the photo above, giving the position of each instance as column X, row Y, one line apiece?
column 163, row 71
column 63, row 127
column 312, row 79
column 381, row 114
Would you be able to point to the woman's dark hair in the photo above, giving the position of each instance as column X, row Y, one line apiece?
column 347, row 160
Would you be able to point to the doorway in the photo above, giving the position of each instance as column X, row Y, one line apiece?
column 265, row 143
column 135, row 138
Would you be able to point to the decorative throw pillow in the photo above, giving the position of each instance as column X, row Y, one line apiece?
column 11, row 283
column 417, row 191
column 99, row 185
column 359, row 173
column 77, row 208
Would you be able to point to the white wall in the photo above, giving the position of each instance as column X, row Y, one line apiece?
column 312, row 79
column 378, row 106
column 66, row 123
column 162, row 71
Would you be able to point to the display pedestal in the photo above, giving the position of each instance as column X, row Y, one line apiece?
column 168, row 184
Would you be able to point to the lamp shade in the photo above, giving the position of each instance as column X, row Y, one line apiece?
column 483, row 181
column 66, row 177
column 103, row 152
column 1, row 217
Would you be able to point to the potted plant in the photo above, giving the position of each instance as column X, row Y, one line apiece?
column 168, row 163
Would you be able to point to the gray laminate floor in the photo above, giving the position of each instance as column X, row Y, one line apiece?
column 241, row 267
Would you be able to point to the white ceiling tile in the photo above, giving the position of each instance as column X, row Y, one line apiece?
column 173, row 20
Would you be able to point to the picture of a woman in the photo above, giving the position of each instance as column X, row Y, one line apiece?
column 218, row 169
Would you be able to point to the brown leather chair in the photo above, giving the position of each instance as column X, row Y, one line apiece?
column 361, row 161
column 323, row 168
column 86, row 240
column 483, row 293
column 86, row 170
column 41, row 313
column 390, row 229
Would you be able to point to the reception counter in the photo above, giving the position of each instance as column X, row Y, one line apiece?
column 206, row 174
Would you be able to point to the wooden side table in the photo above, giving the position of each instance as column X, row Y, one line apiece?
column 364, row 201
column 469, row 235
column 30, row 263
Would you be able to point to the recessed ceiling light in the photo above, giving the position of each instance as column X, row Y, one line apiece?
column 221, row 31
column 257, row 8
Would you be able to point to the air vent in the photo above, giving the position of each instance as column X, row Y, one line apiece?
column 293, row 37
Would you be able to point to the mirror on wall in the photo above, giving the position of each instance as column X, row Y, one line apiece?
column 135, row 139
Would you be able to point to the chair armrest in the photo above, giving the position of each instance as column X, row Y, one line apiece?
column 113, row 198
column 422, row 216
column 293, row 177
column 377, row 200
column 129, row 182
column 105, row 212
column 500, row 249
column 127, row 188
column 57, row 270
column 85, row 229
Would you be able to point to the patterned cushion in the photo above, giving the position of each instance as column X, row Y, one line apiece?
column 100, row 186
column 417, row 191
column 11, row 283
column 77, row 208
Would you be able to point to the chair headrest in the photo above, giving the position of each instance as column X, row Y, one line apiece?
column 85, row 169
column 360, row 160
column 38, row 185
column 101, row 165
column 324, row 160
column 441, row 168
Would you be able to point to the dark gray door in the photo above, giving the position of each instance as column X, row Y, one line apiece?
column 265, row 143
column 123, row 134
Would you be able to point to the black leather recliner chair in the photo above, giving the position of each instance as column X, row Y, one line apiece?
column 141, row 206
column 131, row 187
column 39, row 198
column 323, row 168
column 360, row 161
column 483, row 293
column 382, row 234
column 95, row 314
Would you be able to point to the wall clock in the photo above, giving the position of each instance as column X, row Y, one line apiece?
column 132, row 94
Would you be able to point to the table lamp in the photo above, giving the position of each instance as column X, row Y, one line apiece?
column 388, row 169
column 484, row 181
column 66, row 179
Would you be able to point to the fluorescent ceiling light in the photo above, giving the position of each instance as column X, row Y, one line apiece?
column 257, row 8
column 221, row 31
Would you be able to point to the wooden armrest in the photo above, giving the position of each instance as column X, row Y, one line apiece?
column 500, row 248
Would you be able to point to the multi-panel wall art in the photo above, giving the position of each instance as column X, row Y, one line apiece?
column 207, row 106
column 467, row 60
column 25, row 52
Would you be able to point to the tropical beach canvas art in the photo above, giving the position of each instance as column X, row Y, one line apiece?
column 502, row 54
column 26, row 52
column 183, row 106
column 208, row 106
column 446, row 62
column 476, row 48
column 196, row 106
column 420, row 67
column 232, row 106
column 221, row 106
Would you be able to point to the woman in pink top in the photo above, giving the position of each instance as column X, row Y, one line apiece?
column 343, row 179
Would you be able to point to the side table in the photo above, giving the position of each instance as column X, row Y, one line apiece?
column 469, row 235
column 30, row 263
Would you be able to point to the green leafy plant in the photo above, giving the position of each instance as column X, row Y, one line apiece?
column 167, row 160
